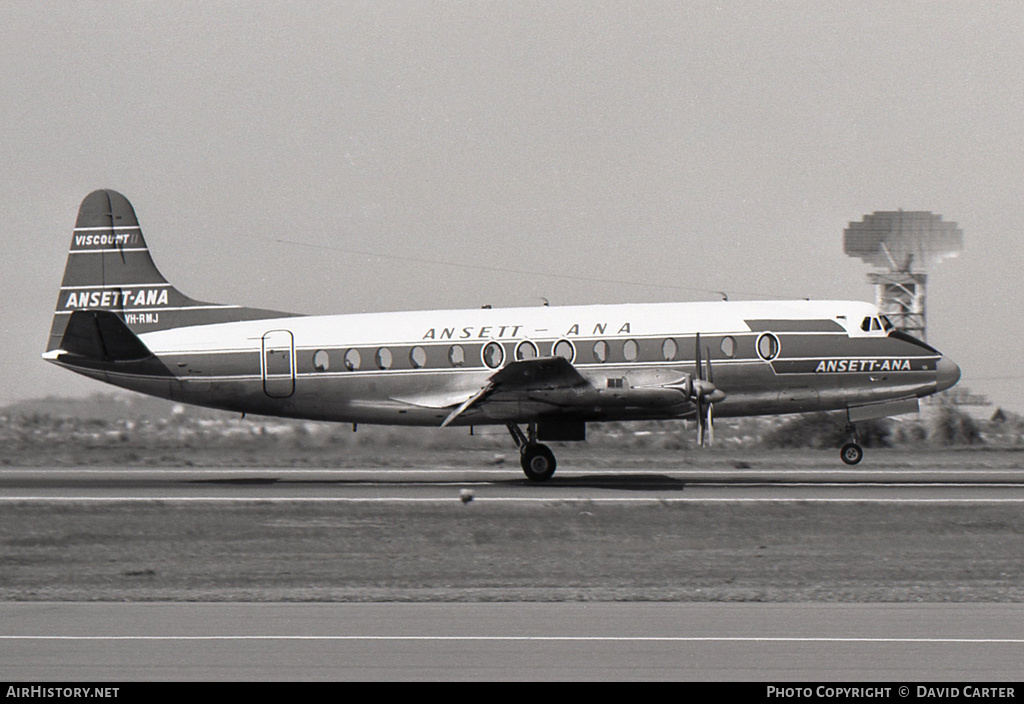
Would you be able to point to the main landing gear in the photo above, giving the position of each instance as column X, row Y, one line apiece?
column 538, row 461
column 852, row 453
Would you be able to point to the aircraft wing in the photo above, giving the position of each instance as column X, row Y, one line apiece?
column 551, row 385
column 534, row 374
column 542, row 374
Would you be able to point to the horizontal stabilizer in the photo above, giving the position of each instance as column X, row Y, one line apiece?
column 102, row 336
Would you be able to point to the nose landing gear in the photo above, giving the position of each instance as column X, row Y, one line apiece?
column 852, row 453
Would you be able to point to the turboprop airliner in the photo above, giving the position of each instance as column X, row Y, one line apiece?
column 548, row 369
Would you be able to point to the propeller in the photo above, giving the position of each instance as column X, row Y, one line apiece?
column 701, row 390
column 704, row 395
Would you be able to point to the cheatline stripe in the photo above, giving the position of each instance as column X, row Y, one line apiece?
column 114, row 250
column 604, row 639
column 114, row 286
column 150, row 310
column 104, row 228
column 859, row 357
column 739, row 474
column 486, row 499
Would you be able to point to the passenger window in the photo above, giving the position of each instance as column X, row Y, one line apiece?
column 601, row 351
column 669, row 349
column 526, row 350
column 564, row 348
column 384, row 358
column 418, row 357
column 729, row 346
column 630, row 350
column 767, row 346
column 352, row 360
column 321, row 361
column 456, row 355
column 493, row 354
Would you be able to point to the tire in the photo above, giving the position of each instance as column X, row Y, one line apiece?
column 852, row 453
column 538, row 462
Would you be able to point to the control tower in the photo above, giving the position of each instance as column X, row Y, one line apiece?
column 903, row 246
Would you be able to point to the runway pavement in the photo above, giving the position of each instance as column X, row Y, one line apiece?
column 438, row 484
column 776, row 642
column 896, row 643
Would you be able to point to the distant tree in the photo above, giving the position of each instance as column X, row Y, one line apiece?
column 947, row 425
column 825, row 430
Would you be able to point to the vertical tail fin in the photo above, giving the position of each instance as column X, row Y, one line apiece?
column 109, row 268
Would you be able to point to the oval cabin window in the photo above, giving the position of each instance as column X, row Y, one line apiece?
column 418, row 357
column 352, row 360
column 493, row 354
column 669, row 349
column 526, row 350
column 564, row 349
column 456, row 355
column 767, row 346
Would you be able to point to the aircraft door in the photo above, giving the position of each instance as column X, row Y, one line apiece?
column 278, row 365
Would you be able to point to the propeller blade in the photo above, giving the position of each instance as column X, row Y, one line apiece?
column 711, row 425
column 696, row 359
column 700, row 423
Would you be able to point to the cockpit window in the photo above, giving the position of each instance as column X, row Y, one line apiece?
column 871, row 324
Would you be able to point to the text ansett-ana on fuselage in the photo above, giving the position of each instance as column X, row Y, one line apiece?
column 551, row 369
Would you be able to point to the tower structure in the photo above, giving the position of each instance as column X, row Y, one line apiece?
column 903, row 246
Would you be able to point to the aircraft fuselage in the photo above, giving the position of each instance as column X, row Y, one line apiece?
column 406, row 368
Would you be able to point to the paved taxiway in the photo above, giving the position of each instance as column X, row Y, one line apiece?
column 898, row 643
column 355, row 484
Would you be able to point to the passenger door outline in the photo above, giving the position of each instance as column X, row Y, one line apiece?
column 277, row 363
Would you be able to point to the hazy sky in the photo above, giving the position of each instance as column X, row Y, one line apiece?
column 500, row 152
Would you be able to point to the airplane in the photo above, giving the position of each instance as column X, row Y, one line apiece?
column 552, row 369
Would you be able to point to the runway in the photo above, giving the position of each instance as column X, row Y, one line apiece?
column 714, row 552
column 890, row 485
column 894, row 643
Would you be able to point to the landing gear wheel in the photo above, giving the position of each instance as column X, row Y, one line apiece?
column 538, row 462
column 852, row 453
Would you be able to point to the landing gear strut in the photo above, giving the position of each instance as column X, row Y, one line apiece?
column 852, row 453
column 538, row 461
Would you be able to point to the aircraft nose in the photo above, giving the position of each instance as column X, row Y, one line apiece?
column 947, row 373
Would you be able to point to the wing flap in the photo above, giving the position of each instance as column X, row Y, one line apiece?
column 440, row 399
